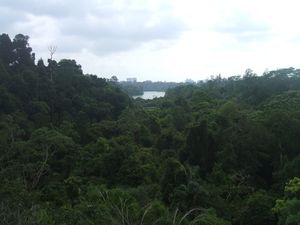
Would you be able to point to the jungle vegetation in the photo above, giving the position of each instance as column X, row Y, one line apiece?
column 77, row 150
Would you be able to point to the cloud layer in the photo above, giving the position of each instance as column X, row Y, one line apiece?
column 160, row 39
column 102, row 27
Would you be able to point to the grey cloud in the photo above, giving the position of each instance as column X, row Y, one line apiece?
column 244, row 28
column 130, row 24
column 99, row 26
column 47, row 7
column 8, row 18
column 122, row 29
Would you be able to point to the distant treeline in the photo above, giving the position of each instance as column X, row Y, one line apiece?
column 137, row 88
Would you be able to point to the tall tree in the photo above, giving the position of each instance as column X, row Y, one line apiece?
column 6, row 49
column 22, row 50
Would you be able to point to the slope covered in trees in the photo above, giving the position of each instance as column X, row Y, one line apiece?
column 75, row 149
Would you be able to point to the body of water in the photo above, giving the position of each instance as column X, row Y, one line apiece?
column 150, row 95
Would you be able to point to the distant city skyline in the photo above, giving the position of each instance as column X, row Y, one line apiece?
column 160, row 40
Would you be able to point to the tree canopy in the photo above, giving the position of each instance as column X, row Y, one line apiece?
column 76, row 149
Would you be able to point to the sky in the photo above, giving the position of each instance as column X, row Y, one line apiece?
column 160, row 40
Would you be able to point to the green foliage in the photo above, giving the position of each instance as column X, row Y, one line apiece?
column 257, row 209
column 288, row 208
column 173, row 175
column 76, row 149
column 200, row 147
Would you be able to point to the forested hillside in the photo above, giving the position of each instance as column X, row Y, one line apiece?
column 75, row 149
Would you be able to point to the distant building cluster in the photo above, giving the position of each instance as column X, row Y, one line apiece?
column 190, row 81
column 131, row 79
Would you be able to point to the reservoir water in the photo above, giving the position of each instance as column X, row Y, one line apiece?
column 150, row 95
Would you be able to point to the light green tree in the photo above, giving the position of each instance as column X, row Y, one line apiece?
column 288, row 208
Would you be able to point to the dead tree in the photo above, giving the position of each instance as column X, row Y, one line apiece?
column 52, row 50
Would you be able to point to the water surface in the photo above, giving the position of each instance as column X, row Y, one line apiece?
column 150, row 95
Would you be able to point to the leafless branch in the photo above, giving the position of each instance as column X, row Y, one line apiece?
column 52, row 49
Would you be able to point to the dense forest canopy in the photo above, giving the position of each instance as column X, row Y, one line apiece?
column 75, row 149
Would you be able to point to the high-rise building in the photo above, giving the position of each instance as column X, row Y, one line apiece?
column 131, row 79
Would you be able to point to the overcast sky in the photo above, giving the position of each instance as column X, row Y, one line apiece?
column 167, row 40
